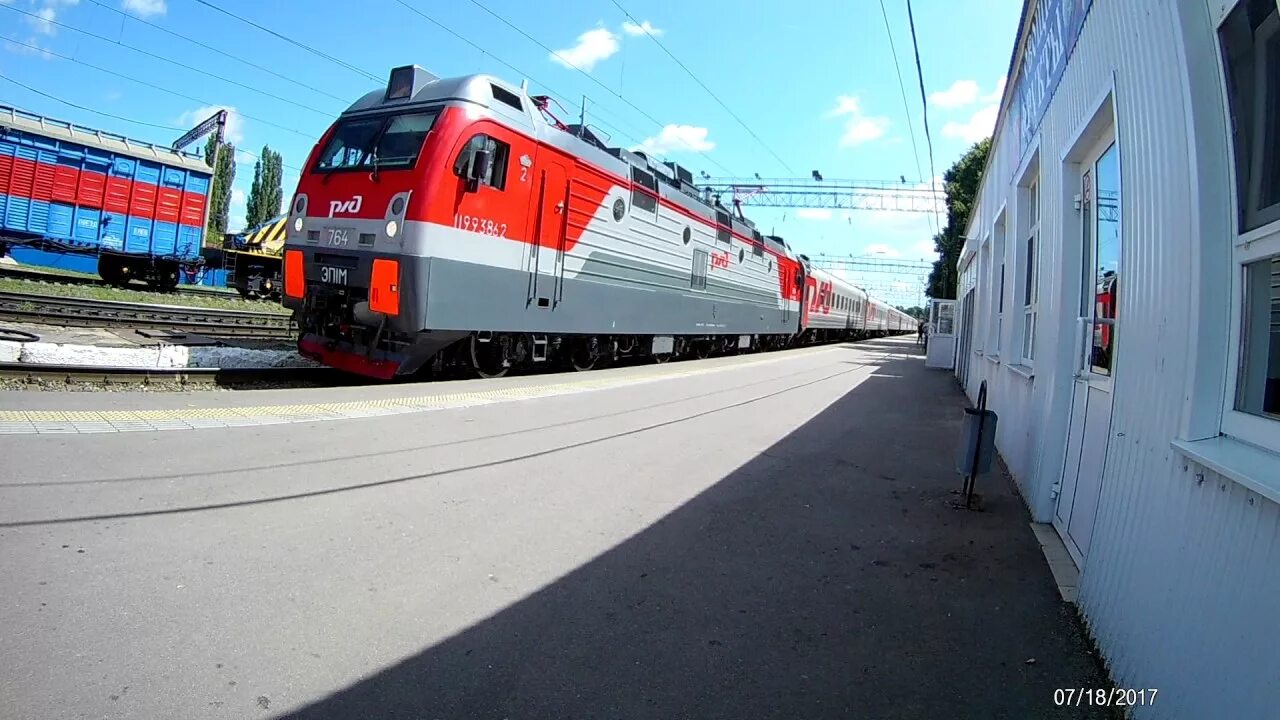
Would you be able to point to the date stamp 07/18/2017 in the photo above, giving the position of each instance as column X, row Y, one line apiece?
column 1104, row 697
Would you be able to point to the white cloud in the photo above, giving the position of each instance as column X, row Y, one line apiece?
column 882, row 250
column 979, row 125
column 44, row 13
column 998, row 93
column 30, row 46
column 593, row 46
column 644, row 28
column 858, row 128
column 960, row 94
column 145, row 8
column 43, row 21
column 813, row 214
column 845, row 105
column 674, row 138
column 863, row 130
column 924, row 250
column 235, row 123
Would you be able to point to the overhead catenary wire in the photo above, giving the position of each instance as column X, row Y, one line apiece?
column 171, row 61
column 153, row 86
column 902, row 87
column 122, row 118
column 590, row 77
column 291, row 41
column 915, row 45
column 219, row 51
column 703, row 85
column 561, row 97
column 906, row 108
column 77, row 106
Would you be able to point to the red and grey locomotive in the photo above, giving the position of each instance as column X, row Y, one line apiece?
column 457, row 220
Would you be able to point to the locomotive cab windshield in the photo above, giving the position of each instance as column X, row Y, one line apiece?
column 384, row 142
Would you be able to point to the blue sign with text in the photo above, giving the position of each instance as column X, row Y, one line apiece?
column 1055, row 27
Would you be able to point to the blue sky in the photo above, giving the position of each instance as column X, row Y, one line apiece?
column 813, row 80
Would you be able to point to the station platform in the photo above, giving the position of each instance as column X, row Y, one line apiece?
column 745, row 537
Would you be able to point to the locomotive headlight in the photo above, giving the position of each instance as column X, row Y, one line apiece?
column 392, row 228
column 297, row 225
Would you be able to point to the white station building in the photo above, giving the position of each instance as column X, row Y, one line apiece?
column 1119, row 295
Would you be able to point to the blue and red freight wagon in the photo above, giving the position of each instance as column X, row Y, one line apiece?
column 140, row 208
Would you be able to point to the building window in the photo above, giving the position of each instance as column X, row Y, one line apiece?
column 985, row 315
column 1100, row 210
column 1251, row 50
column 1258, row 390
column 995, row 341
column 1030, row 271
column 1250, row 40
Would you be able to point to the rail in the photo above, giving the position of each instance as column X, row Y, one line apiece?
column 82, row 312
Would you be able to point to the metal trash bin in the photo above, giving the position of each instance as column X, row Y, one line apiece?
column 979, row 441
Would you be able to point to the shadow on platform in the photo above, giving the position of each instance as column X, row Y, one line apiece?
column 828, row 577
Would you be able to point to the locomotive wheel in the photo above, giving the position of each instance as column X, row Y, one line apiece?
column 583, row 357
column 661, row 358
column 487, row 358
column 702, row 350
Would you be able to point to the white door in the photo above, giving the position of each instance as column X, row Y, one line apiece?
column 1096, row 329
column 548, row 259
column 941, row 337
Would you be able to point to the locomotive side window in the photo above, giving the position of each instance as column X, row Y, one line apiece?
column 644, row 193
column 386, row 142
column 498, row 150
column 722, row 227
column 757, row 248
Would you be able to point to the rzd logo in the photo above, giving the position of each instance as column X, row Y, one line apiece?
column 345, row 207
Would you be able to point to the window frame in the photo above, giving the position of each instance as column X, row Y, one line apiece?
column 644, row 186
column 724, row 228
column 986, row 311
column 384, row 121
column 1248, row 246
column 501, row 150
column 1029, row 269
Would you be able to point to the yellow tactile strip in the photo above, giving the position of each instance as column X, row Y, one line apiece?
column 27, row 422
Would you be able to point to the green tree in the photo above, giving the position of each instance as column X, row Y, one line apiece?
column 266, row 194
column 962, row 182
column 224, row 174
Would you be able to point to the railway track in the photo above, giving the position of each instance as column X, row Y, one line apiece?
column 189, row 377
column 82, row 312
column 23, row 273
